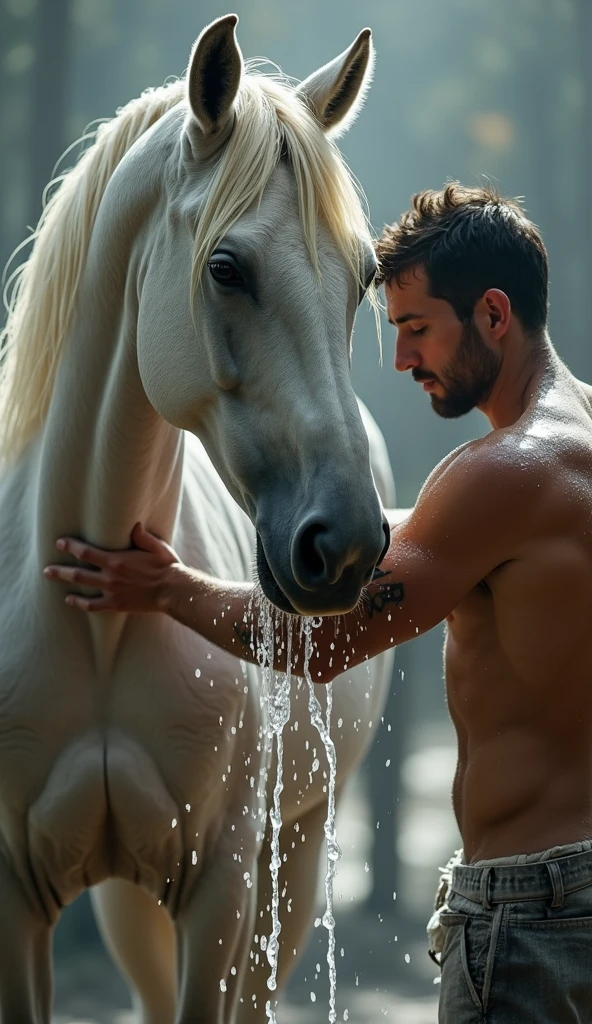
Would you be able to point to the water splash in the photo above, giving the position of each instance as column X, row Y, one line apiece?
column 323, row 728
column 276, row 687
column 276, row 696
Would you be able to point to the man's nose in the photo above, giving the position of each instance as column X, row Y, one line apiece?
column 406, row 356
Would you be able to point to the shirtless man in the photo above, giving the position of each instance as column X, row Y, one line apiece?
column 500, row 545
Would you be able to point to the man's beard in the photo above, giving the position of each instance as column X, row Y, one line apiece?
column 469, row 377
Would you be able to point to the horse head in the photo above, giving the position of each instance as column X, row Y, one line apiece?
column 263, row 227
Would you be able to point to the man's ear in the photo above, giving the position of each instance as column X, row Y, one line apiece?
column 495, row 309
column 213, row 78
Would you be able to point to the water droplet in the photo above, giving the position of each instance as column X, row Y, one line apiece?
column 222, row 985
column 197, row 673
column 174, row 823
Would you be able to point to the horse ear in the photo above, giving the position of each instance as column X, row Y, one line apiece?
column 213, row 78
column 336, row 92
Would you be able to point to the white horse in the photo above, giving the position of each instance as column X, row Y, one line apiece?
column 195, row 276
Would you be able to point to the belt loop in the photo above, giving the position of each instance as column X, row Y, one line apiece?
column 484, row 890
column 557, row 883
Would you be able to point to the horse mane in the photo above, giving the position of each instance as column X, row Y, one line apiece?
column 40, row 295
column 271, row 122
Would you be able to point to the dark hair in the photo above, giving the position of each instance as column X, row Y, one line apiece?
column 468, row 240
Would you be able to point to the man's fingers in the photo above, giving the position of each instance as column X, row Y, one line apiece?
column 72, row 574
column 145, row 540
column 84, row 552
column 91, row 604
column 150, row 542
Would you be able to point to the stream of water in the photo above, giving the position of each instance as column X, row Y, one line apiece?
column 276, row 691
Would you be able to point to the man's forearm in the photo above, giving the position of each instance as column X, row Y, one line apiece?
column 221, row 612
column 150, row 578
column 228, row 615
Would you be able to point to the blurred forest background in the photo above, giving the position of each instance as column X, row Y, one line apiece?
column 463, row 89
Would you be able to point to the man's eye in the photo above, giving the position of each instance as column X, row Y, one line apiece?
column 224, row 272
column 420, row 330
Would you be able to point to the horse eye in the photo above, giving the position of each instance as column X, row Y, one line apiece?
column 224, row 272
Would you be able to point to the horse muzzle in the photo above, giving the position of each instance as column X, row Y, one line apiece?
column 325, row 574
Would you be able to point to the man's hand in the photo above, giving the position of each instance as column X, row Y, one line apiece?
column 133, row 580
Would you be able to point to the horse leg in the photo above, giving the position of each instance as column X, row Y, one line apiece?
column 140, row 936
column 235, row 981
column 298, row 879
column 25, row 955
column 214, row 929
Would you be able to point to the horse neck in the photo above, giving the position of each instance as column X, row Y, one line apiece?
column 107, row 459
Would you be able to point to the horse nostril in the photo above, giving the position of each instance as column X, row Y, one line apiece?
column 323, row 555
column 310, row 556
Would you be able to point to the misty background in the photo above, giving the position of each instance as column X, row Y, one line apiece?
column 467, row 89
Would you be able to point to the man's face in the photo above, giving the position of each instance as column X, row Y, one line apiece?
column 450, row 359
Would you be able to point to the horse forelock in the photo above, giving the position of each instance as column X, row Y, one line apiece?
column 272, row 123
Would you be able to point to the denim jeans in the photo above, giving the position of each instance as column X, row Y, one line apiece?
column 518, row 940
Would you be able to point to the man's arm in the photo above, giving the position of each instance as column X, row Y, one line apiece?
column 470, row 517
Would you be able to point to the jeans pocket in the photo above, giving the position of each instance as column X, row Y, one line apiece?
column 471, row 940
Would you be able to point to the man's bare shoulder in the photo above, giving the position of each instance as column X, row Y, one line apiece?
column 493, row 468
column 517, row 481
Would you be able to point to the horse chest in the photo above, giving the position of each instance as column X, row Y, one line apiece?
column 129, row 774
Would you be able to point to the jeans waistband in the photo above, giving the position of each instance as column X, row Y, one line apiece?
column 515, row 883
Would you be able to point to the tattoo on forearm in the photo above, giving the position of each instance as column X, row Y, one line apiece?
column 387, row 593
column 244, row 635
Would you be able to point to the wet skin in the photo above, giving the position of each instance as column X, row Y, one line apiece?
column 518, row 650
column 499, row 545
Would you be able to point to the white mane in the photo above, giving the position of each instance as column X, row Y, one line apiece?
column 40, row 296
